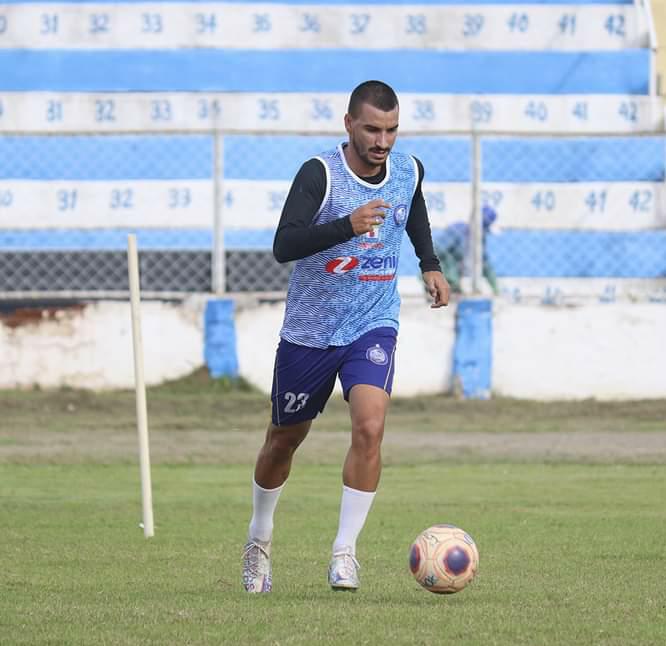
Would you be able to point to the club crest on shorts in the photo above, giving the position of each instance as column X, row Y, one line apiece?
column 377, row 355
column 400, row 214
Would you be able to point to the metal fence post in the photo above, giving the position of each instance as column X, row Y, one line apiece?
column 218, row 264
column 645, row 7
column 476, row 224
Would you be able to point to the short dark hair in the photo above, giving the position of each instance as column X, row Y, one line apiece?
column 376, row 93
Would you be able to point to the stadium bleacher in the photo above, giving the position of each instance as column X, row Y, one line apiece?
column 123, row 116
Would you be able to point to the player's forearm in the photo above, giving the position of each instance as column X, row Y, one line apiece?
column 428, row 259
column 293, row 242
column 418, row 230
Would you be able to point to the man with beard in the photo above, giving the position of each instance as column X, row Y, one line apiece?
column 343, row 223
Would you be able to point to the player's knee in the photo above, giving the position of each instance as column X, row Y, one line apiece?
column 367, row 435
column 282, row 443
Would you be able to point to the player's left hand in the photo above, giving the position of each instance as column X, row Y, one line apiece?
column 438, row 287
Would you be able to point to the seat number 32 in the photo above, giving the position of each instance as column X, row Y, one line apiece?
column 295, row 402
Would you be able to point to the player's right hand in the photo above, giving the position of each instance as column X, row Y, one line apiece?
column 369, row 216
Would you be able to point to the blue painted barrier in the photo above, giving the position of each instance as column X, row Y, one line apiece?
column 220, row 338
column 472, row 352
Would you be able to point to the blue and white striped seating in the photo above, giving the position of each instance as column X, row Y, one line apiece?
column 143, row 85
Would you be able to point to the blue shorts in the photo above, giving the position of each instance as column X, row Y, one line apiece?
column 303, row 378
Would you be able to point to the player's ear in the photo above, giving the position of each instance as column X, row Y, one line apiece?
column 348, row 121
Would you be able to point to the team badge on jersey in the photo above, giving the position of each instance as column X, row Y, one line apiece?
column 400, row 214
column 377, row 355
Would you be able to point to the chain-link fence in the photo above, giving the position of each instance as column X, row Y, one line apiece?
column 561, row 218
column 522, row 217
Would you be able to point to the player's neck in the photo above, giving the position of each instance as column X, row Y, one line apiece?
column 359, row 167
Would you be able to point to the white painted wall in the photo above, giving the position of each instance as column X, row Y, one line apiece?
column 92, row 347
column 604, row 351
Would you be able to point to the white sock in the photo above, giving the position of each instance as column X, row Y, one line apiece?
column 354, row 508
column 264, row 502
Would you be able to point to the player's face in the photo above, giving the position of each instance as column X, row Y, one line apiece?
column 372, row 133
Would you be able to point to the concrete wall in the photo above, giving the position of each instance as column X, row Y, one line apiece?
column 605, row 351
column 91, row 346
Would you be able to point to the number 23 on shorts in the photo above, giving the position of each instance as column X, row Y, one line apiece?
column 295, row 402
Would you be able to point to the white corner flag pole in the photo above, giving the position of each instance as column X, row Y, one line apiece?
column 140, row 385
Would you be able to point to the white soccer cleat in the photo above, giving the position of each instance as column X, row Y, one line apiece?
column 257, row 575
column 343, row 571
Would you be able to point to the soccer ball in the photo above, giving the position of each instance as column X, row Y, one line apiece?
column 444, row 559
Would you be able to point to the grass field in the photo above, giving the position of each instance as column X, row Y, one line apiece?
column 571, row 541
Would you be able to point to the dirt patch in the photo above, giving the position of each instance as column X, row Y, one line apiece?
column 325, row 447
column 204, row 421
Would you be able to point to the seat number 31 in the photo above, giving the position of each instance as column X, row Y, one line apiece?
column 295, row 402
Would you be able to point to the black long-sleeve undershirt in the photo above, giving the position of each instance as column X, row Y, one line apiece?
column 295, row 238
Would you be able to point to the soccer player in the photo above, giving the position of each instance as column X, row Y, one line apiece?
column 343, row 223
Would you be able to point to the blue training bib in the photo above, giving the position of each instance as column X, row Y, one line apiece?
column 339, row 294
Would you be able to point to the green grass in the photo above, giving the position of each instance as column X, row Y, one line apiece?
column 570, row 554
